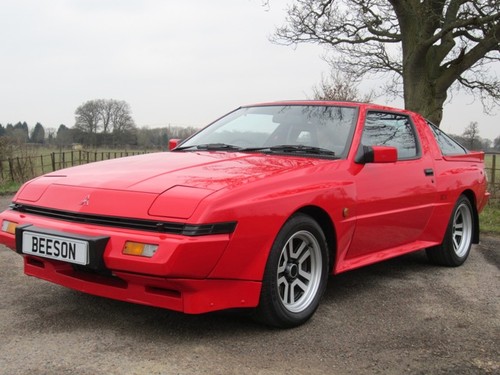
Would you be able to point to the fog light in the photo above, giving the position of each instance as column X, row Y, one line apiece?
column 140, row 249
column 9, row 227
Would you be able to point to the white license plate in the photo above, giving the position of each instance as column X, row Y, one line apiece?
column 54, row 247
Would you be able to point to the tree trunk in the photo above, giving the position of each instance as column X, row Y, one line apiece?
column 420, row 69
column 422, row 96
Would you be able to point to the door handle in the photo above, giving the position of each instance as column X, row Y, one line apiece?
column 429, row 172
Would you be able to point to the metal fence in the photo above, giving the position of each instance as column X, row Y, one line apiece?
column 21, row 169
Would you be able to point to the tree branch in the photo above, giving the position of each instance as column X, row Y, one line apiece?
column 456, row 67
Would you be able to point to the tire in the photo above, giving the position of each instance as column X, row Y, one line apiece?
column 296, row 274
column 458, row 238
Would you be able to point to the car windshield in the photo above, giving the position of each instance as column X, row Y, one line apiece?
column 298, row 129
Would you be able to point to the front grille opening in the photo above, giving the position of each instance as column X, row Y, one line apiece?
column 129, row 223
column 99, row 277
column 35, row 262
column 101, row 272
column 112, row 221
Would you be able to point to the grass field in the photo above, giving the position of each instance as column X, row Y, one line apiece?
column 30, row 163
column 490, row 218
column 9, row 188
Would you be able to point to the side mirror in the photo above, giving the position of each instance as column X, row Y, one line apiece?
column 173, row 143
column 376, row 154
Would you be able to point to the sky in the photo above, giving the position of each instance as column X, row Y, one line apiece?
column 179, row 63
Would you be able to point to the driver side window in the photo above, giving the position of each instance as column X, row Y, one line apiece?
column 391, row 129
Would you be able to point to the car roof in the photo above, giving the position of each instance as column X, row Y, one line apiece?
column 330, row 103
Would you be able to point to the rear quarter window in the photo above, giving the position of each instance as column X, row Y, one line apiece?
column 447, row 144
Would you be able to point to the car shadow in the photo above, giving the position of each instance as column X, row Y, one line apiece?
column 348, row 284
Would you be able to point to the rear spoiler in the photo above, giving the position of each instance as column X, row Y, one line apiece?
column 473, row 156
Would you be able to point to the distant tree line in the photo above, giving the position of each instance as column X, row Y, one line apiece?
column 98, row 123
column 471, row 140
column 157, row 138
column 65, row 137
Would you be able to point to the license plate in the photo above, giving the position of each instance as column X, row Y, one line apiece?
column 55, row 247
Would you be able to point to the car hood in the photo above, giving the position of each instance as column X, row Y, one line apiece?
column 138, row 181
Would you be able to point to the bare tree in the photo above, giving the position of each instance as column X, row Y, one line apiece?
column 496, row 143
column 340, row 88
column 88, row 117
column 427, row 46
column 121, row 118
column 109, row 115
column 471, row 135
column 115, row 115
column 106, row 108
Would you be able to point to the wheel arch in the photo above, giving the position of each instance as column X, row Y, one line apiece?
column 325, row 222
column 469, row 194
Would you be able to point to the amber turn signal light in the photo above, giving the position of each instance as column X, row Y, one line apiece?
column 139, row 249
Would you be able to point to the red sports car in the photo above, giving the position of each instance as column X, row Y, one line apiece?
column 254, row 211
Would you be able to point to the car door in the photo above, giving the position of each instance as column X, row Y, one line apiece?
column 394, row 200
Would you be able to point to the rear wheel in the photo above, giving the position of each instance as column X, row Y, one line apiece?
column 458, row 238
column 296, row 274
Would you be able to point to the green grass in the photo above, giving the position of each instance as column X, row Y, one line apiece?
column 488, row 160
column 29, row 164
column 490, row 218
column 9, row 187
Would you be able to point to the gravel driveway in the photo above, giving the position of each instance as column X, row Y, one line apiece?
column 400, row 316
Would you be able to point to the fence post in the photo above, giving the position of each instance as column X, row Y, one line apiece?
column 11, row 170
column 32, row 169
column 53, row 160
column 20, row 169
column 493, row 172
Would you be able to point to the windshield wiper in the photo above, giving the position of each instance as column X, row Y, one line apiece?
column 210, row 147
column 292, row 149
column 301, row 149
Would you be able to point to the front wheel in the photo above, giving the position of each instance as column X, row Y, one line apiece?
column 458, row 238
column 296, row 274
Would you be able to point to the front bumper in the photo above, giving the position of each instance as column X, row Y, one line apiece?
column 177, row 277
column 185, row 295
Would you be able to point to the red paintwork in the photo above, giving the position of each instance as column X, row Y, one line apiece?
column 376, row 211
column 385, row 154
